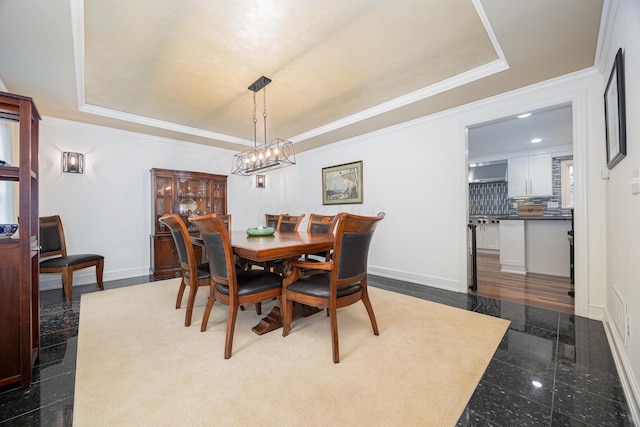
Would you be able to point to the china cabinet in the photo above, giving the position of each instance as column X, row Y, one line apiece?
column 184, row 193
column 19, row 273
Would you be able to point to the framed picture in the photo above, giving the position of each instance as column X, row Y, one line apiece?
column 261, row 181
column 342, row 184
column 614, row 113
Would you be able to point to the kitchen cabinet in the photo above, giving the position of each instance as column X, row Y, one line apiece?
column 530, row 176
column 547, row 247
column 19, row 271
column 184, row 193
column 488, row 236
column 512, row 246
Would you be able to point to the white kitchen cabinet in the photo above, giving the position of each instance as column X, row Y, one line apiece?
column 488, row 236
column 512, row 246
column 530, row 176
column 547, row 247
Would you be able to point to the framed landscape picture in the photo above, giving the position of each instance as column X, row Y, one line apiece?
column 615, row 114
column 342, row 184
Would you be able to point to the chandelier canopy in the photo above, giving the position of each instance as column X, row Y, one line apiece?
column 263, row 157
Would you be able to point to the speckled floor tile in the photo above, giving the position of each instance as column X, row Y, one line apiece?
column 567, row 354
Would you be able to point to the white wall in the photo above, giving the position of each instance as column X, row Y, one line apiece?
column 623, row 207
column 416, row 173
column 106, row 210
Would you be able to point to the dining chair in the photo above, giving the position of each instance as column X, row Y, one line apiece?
column 193, row 273
column 227, row 284
column 271, row 220
column 289, row 223
column 320, row 224
column 54, row 249
column 344, row 281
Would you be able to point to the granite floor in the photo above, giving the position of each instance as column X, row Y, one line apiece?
column 551, row 368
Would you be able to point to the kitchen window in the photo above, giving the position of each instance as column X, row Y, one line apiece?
column 567, row 184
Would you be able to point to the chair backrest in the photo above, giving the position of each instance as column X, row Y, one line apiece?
column 271, row 220
column 52, row 237
column 321, row 223
column 182, row 239
column 289, row 222
column 227, row 221
column 351, row 247
column 217, row 243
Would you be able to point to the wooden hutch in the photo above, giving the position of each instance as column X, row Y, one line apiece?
column 184, row 193
column 19, row 272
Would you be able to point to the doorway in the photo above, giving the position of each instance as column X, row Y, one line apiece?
column 543, row 133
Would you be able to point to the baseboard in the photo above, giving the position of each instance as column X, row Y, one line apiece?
column 435, row 282
column 50, row 281
column 629, row 383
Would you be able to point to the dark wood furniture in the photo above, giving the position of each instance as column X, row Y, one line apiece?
column 54, row 249
column 260, row 249
column 183, row 193
column 320, row 224
column 271, row 220
column 288, row 223
column 345, row 280
column 19, row 279
column 228, row 285
column 279, row 245
column 191, row 268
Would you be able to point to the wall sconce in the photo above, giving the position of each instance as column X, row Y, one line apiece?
column 261, row 181
column 72, row 162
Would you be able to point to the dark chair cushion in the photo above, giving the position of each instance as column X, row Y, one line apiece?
column 253, row 281
column 317, row 285
column 71, row 260
column 203, row 271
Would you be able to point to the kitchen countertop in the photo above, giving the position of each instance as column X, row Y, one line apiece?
column 548, row 217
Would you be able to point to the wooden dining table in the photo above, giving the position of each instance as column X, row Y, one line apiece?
column 278, row 246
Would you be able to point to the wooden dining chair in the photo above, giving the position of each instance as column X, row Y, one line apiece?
column 227, row 221
column 228, row 285
column 320, row 224
column 194, row 273
column 288, row 223
column 271, row 220
column 54, row 250
column 344, row 281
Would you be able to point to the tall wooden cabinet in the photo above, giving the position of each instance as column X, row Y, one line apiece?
column 19, row 271
column 184, row 193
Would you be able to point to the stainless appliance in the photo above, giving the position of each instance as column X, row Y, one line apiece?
column 472, row 260
column 482, row 172
column 472, row 249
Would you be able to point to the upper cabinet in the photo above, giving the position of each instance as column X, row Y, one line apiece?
column 530, row 176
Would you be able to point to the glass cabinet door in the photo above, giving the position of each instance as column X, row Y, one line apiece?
column 194, row 196
column 219, row 197
column 164, row 199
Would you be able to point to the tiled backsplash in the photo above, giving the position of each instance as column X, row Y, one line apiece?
column 491, row 198
column 488, row 199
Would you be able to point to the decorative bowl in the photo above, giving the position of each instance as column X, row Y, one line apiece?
column 7, row 230
column 265, row 231
column 187, row 206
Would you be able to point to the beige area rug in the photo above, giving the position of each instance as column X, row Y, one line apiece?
column 137, row 364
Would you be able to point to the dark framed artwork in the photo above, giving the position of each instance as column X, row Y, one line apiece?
column 261, row 181
column 615, row 113
column 342, row 184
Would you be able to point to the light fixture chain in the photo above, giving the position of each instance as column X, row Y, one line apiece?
column 255, row 122
column 264, row 114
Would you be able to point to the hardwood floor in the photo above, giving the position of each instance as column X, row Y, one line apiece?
column 538, row 290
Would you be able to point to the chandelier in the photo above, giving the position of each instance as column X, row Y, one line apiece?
column 263, row 157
